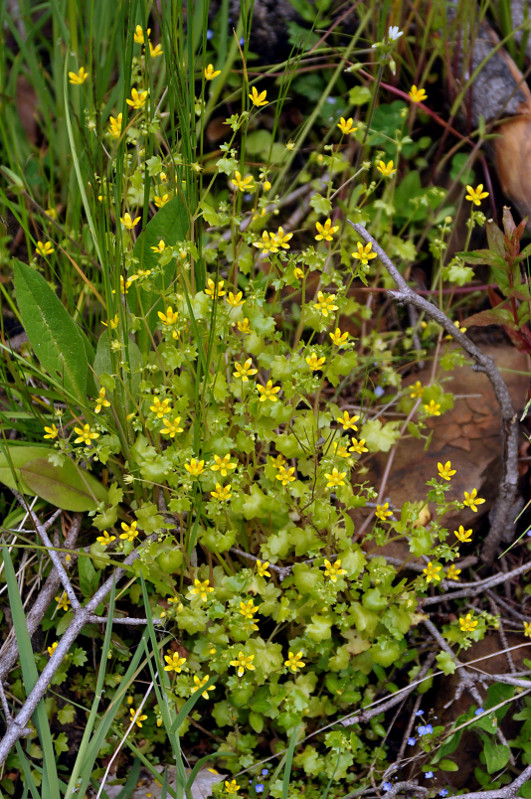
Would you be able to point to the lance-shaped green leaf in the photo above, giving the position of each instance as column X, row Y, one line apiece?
column 66, row 486
column 57, row 341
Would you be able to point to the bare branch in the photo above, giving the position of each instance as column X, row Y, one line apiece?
column 508, row 503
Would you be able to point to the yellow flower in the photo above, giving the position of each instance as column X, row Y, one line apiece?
column 243, row 184
column 261, row 568
column 243, row 662
column 364, row 253
column 114, row 322
column 465, row 536
column 160, row 409
column 446, row 472
column 386, row 169
column 51, row 212
column 160, row 202
column 128, row 222
column 268, row 392
column 105, row 539
column 101, row 401
column 314, row 362
column 417, row 95
column 348, row 422
column 334, row 570
column 201, row 589
column 53, row 647
column 340, row 450
column 85, row 435
column 170, row 317
column 298, row 273
column 358, row 446
column 171, row 429
column 335, row 478
column 115, row 126
column 236, row 300
column 51, row 431
column 248, row 609
column 476, row 195
column 453, row 572
column 214, row 291
column 138, row 719
column 278, row 461
column 433, row 409
column 472, row 499
column 156, row 51
column 266, row 185
column 527, row 629
column 266, row 243
column 195, row 468
column 282, row 238
column 139, row 34
column 200, row 683
column 138, row 99
column 244, row 326
column 210, row 73
column 257, row 99
column 346, row 126
column 382, row 511
column 222, row 493
column 44, row 248
column 286, row 476
column 130, row 531
column 294, row 662
column 231, row 787
column 161, row 246
column 223, row 465
column 174, row 662
column 244, row 371
column 325, row 303
column 63, row 602
column 431, row 572
column 326, row 232
column 338, row 338
column 79, row 77
column 416, row 390
column 467, row 624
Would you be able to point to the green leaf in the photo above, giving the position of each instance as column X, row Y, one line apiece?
column 66, row 486
column 56, row 339
column 359, row 95
column 66, row 715
column 170, row 223
column 321, row 205
column 496, row 755
column 11, row 460
column 447, row 765
column 446, row 662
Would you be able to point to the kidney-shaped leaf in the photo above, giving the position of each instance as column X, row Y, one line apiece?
column 65, row 486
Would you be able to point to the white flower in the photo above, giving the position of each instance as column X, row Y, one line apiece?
column 394, row 33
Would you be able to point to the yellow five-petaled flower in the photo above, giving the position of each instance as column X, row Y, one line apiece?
column 475, row 195
column 195, row 468
column 386, row 169
column 268, row 392
column 214, row 290
column 201, row 589
column 199, row 685
column 314, row 362
column 417, row 95
column 130, row 531
column 335, row 478
column 258, row 99
column 467, row 624
column 261, row 568
column 223, row 465
column 79, row 77
column 348, row 422
column 137, row 716
column 243, row 184
column 431, row 572
column 326, row 232
column 243, row 662
column 382, row 511
column 174, row 662
column 85, row 435
column 325, row 303
column 51, row 431
column 210, row 73
column 453, row 572
column 128, row 222
column 101, row 401
column 346, row 126
column 338, row 338
column 44, row 248
column 138, row 99
column 472, row 499
column 364, row 254
column 465, row 536
column 105, row 539
column 222, row 493
column 244, row 371
column 334, row 570
column 294, row 661
column 446, row 472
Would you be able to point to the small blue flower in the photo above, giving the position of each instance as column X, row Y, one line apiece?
column 419, row 713
column 258, row 788
column 379, row 391
column 479, row 711
column 411, row 741
column 242, row 40
column 386, row 786
column 443, row 792
column 209, row 34
column 264, row 772
column 429, row 775
column 424, row 729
